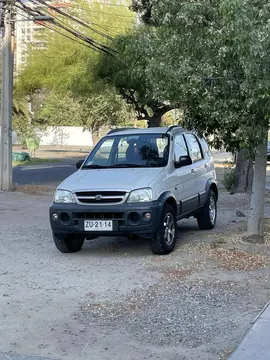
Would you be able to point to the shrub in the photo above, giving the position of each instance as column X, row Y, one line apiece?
column 230, row 178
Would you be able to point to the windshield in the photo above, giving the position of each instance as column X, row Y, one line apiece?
column 142, row 150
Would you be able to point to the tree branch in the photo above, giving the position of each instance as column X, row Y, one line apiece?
column 129, row 96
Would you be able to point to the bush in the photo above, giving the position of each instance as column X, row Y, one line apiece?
column 230, row 178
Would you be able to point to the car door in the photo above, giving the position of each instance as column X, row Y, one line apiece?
column 186, row 198
column 199, row 165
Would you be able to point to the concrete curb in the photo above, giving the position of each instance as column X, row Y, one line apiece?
column 256, row 344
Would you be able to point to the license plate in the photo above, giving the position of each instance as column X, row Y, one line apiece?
column 98, row 225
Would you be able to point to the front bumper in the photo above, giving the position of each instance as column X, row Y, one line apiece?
column 71, row 219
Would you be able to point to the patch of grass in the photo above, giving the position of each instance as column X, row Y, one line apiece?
column 35, row 161
column 33, row 189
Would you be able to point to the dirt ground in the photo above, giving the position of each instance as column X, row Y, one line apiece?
column 115, row 300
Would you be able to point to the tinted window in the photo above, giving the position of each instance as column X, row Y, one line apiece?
column 194, row 148
column 180, row 148
column 143, row 150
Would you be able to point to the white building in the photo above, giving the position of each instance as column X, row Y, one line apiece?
column 30, row 32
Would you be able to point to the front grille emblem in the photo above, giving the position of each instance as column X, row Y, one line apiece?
column 98, row 197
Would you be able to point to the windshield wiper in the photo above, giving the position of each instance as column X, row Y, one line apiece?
column 94, row 166
column 126, row 166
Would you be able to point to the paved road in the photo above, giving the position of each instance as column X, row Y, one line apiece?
column 53, row 174
column 49, row 174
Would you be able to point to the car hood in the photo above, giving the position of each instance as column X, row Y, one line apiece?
column 110, row 179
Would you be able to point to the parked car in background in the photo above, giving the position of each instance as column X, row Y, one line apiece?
column 137, row 182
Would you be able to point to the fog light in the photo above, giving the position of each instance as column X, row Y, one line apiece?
column 147, row 216
column 134, row 218
column 64, row 218
column 55, row 216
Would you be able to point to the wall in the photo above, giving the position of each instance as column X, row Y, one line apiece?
column 66, row 135
column 63, row 136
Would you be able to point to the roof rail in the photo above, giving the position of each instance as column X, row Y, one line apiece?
column 172, row 127
column 120, row 129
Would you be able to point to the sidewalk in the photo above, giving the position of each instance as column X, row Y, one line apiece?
column 256, row 344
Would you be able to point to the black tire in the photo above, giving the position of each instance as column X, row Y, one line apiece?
column 68, row 243
column 207, row 220
column 161, row 244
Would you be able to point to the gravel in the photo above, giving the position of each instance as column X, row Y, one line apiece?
column 190, row 313
column 115, row 300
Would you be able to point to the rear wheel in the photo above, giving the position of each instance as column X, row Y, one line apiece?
column 208, row 215
column 164, row 242
column 68, row 243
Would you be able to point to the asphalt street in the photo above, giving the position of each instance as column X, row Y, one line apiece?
column 53, row 174
column 47, row 174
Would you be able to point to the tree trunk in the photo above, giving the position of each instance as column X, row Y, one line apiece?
column 256, row 211
column 95, row 136
column 243, row 172
column 155, row 120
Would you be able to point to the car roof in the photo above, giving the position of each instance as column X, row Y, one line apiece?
column 151, row 130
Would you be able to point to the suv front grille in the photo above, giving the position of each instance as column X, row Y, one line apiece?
column 100, row 197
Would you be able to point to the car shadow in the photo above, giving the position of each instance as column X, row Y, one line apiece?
column 124, row 246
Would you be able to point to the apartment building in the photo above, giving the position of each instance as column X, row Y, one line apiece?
column 28, row 32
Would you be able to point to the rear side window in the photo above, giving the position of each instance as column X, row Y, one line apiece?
column 194, row 148
column 180, row 148
column 205, row 147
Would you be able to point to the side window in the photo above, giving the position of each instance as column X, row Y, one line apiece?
column 205, row 147
column 180, row 148
column 194, row 148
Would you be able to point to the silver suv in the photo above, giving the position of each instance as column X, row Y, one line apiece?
column 137, row 182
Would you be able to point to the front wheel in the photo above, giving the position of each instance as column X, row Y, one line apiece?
column 164, row 241
column 68, row 243
column 208, row 214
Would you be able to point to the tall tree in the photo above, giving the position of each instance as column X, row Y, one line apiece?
column 212, row 58
column 67, row 68
column 127, row 71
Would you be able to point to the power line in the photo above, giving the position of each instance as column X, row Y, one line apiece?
column 27, row 9
column 43, row 53
column 66, row 36
column 94, row 44
column 57, row 18
column 75, row 19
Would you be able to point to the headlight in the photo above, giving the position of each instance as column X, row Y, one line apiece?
column 64, row 196
column 140, row 195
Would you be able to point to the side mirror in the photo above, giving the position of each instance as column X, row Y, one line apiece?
column 183, row 161
column 79, row 164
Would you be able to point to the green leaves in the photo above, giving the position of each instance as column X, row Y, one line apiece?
column 211, row 58
column 66, row 71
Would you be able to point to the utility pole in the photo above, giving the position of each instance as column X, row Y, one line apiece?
column 6, row 97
